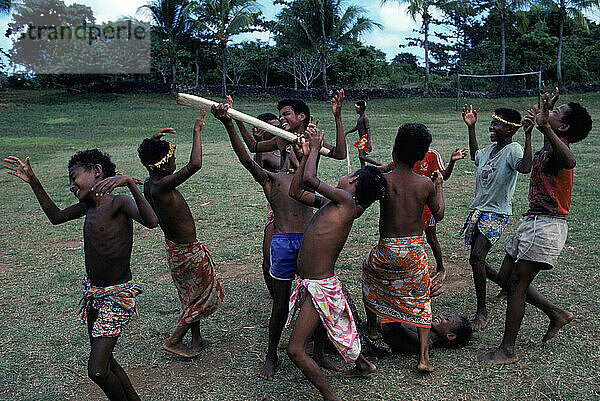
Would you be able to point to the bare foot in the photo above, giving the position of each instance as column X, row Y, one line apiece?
column 499, row 356
column 360, row 370
column 479, row 322
column 328, row 363
column 200, row 345
column 425, row 366
column 265, row 323
column 179, row 349
column 500, row 297
column 268, row 370
column 556, row 323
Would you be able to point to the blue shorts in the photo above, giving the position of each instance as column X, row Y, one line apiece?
column 284, row 252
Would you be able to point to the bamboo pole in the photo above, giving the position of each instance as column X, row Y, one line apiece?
column 198, row 102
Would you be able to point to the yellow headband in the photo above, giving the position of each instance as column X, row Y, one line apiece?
column 495, row 117
column 165, row 159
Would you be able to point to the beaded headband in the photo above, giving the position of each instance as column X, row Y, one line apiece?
column 165, row 159
column 495, row 117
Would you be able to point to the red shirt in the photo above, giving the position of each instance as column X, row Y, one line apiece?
column 550, row 186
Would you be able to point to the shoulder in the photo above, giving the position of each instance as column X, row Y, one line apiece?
column 119, row 201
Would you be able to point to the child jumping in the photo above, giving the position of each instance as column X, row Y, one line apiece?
column 497, row 168
column 540, row 239
column 319, row 293
column 364, row 143
column 431, row 163
column 109, row 293
column 190, row 263
column 396, row 282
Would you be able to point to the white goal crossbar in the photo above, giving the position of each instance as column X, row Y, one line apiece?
column 521, row 74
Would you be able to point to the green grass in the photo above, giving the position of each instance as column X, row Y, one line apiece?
column 44, row 350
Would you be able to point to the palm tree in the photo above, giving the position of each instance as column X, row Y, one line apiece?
column 421, row 9
column 223, row 19
column 173, row 24
column 568, row 9
column 322, row 25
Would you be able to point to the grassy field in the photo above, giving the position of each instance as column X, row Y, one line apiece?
column 44, row 350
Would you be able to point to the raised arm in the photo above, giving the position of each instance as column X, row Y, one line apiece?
column 560, row 149
column 259, row 174
column 138, row 209
column 297, row 190
column 524, row 165
column 339, row 151
column 56, row 215
column 456, row 155
column 435, row 200
column 469, row 116
column 311, row 180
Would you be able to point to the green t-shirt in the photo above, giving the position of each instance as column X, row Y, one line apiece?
column 496, row 178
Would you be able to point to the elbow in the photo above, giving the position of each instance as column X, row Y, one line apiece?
column 570, row 164
column 294, row 193
column 152, row 222
column 194, row 165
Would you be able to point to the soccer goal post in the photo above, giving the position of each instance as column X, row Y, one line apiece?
column 521, row 74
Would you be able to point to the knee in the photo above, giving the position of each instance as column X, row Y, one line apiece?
column 476, row 259
column 514, row 286
column 96, row 372
column 295, row 352
column 281, row 307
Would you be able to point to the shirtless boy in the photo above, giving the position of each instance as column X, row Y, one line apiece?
column 290, row 216
column 192, row 268
column 109, row 294
column 540, row 239
column 396, row 282
column 497, row 168
column 364, row 144
column 319, row 292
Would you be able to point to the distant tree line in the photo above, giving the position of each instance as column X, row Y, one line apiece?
column 317, row 43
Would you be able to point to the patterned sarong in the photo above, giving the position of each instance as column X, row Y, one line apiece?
column 363, row 144
column 192, row 270
column 115, row 304
column 490, row 224
column 396, row 281
column 331, row 305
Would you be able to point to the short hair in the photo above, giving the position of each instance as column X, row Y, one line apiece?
column 579, row 121
column 298, row 106
column 361, row 104
column 152, row 151
column 371, row 186
column 266, row 117
column 510, row 115
column 412, row 143
column 463, row 332
column 91, row 157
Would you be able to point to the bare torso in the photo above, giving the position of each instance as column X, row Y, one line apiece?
column 174, row 215
column 324, row 239
column 269, row 160
column 363, row 125
column 108, row 239
column 402, row 207
column 290, row 215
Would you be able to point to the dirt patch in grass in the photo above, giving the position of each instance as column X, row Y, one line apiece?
column 228, row 270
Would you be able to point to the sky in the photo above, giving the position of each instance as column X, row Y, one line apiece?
column 397, row 25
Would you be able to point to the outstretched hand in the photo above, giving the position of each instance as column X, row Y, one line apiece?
column 107, row 185
column 469, row 115
column 553, row 98
column 337, row 102
column 220, row 112
column 542, row 115
column 437, row 178
column 230, row 101
column 162, row 132
column 458, row 154
column 529, row 121
column 19, row 169
column 315, row 137
column 200, row 120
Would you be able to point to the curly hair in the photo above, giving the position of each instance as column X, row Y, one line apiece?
column 298, row 106
column 579, row 121
column 152, row 150
column 463, row 331
column 92, row 157
column 510, row 115
column 412, row 143
column 371, row 186
column 266, row 117
column 361, row 104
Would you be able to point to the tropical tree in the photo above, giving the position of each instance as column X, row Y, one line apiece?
column 572, row 10
column 421, row 9
column 4, row 6
column 322, row 26
column 173, row 24
column 223, row 19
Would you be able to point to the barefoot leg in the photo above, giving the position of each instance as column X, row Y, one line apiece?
column 371, row 323
column 279, row 314
column 198, row 343
column 99, row 369
column 130, row 392
column 320, row 337
column 436, row 249
column 174, row 345
column 363, row 368
column 266, row 262
column 306, row 323
column 479, row 250
column 424, row 365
